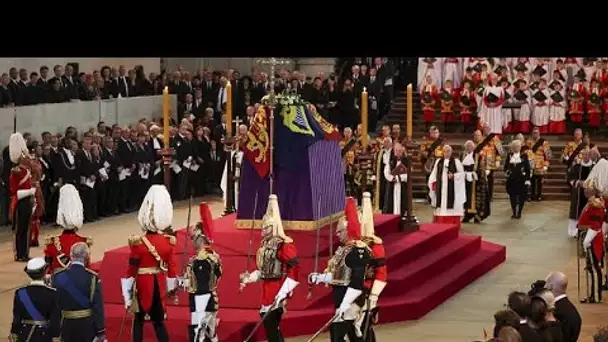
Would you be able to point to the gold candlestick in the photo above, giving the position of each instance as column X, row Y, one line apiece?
column 364, row 118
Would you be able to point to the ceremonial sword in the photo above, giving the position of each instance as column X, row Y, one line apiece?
column 250, row 247
column 274, row 305
column 316, row 266
column 331, row 320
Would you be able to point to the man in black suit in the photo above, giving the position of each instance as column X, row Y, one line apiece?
column 71, row 83
column 44, row 76
column 64, row 164
column 186, row 86
column 126, row 154
column 175, row 86
column 84, row 163
column 22, row 84
column 565, row 311
column 121, row 82
column 58, row 75
column 519, row 302
column 198, row 104
column 210, row 89
column 178, row 174
column 34, row 92
column 185, row 109
column 112, row 164
column 346, row 106
column 13, row 86
column 56, row 93
column 216, row 167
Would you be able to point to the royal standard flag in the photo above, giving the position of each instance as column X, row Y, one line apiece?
column 256, row 146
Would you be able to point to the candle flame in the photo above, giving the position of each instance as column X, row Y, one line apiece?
column 228, row 84
column 364, row 89
column 166, row 89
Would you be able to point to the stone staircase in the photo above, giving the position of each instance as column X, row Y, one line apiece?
column 554, row 187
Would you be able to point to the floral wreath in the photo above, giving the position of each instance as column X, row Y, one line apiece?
column 286, row 98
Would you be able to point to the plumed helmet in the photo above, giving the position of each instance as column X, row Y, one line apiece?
column 272, row 218
column 156, row 211
column 204, row 229
column 16, row 147
column 70, row 212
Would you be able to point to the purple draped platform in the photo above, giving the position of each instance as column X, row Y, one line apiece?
column 299, row 192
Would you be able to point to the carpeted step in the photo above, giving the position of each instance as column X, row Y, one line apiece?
column 235, row 324
column 441, row 287
column 413, row 274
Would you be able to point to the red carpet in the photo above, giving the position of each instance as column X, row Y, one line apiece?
column 425, row 269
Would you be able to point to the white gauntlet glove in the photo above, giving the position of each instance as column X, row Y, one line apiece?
column 127, row 285
column 320, row 278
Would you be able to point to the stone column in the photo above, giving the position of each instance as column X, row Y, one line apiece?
column 312, row 66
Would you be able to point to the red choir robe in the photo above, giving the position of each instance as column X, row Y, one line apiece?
column 594, row 105
column 601, row 76
column 576, row 102
column 429, row 96
column 467, row 103
column 448, row 98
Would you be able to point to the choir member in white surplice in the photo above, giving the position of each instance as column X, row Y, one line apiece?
column 447, row 189
column 541, row 100
column 493, row 98
column 452, row 70
column 429, row 66
column 395, row 173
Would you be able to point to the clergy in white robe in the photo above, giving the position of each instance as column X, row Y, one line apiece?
column 395, row 173
column 429, row 66
column 447, row 189
column 493, row 98
column 237, row 159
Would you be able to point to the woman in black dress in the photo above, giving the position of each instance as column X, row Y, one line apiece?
column 319, row 97
column 333, row 96
column 517, row 172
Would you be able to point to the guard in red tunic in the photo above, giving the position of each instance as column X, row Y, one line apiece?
column 376, row 276
column 69, row 216
column 591, row 221
column 278, row 267
column 151, row 273
column 22, row 196
column 345, row 273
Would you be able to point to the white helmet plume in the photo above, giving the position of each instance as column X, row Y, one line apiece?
column 16, row 147
column 156, row 211
column 367, row 218
column 69, row 210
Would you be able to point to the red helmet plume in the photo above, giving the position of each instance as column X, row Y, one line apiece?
column 353, row 226
column 206, row 221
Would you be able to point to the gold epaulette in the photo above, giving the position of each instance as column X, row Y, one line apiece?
column 202, row 255
column 359, row 244
column 134, row 240
column 50, row 239
column 172, row 239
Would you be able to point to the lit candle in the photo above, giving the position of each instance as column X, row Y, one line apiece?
column 166, row 117
column 228, row 109
column 409, row 109
column 364, row 117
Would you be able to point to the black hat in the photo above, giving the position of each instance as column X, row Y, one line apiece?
column 468, row 69
column 581, row 75
column 540, row 71
column 521, row 67
column 477, row 67
column 499, row 69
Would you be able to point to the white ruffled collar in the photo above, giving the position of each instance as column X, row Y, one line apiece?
column 515, row 158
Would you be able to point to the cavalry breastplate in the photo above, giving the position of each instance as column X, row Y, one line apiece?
column 337, row 267
column 267, row 259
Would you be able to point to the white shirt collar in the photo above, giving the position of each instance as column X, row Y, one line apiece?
column 77, row 263
column 37, row 282
column 562, row 296
column 523, row 321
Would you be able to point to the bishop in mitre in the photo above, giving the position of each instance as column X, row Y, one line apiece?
column 395, row 173
column 447, row 189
